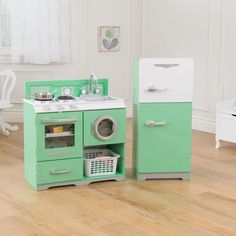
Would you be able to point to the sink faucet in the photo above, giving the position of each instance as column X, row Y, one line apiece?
column 93, row 78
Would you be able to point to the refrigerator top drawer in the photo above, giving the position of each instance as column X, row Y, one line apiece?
column 165, row 80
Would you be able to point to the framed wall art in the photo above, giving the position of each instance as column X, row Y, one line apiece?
column 108, row 38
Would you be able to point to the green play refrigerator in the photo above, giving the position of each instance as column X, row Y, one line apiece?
column 162, row 111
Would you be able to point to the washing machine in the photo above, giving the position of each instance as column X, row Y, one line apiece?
column 104, row 127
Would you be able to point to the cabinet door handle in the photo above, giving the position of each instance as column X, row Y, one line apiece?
column 152, row 123
column 46, row 121
column 154, row 89
column 166, row 65
column 59, row 172
column 59, row 154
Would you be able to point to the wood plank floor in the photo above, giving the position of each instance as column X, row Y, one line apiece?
column 205, row 205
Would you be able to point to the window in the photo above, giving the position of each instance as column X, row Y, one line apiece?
column 5, row 35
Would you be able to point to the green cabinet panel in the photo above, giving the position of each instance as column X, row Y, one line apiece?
column 167, row 146
column 90, row 118
column 67, row 144
column 59, row 171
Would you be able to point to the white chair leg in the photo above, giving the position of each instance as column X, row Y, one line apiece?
column 3, row 130
column 5, row 127
column 10, row 127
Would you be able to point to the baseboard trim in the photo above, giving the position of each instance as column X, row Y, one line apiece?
column 13, row 115
column 204, row 124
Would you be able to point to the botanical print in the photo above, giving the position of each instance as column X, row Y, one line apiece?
column 108, row 38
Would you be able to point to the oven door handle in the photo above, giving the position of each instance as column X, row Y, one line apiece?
column 47, row 121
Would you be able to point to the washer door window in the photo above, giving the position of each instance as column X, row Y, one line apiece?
column 105, row 127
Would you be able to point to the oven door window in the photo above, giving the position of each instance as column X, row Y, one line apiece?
column 59, row 136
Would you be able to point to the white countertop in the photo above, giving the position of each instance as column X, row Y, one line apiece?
column 77, row 105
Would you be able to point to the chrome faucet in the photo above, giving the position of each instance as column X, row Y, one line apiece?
column 93, row 78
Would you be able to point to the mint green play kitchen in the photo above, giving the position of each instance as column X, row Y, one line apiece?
column 74, row 133
column 162, row 103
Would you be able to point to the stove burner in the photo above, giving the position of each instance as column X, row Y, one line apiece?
column 43, row 99
column 65, row 98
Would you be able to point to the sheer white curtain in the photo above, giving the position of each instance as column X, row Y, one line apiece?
column 40, row 31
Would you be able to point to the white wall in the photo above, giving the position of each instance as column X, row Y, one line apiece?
column 86, row 16
column 202, row 29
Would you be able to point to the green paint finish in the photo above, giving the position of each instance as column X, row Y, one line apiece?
column 164, row 148
column 91, row 116
column 55, row 86
column 109, row 33
column 76, row 150
column 59, row 171
column 30, row 145
column 120, row 149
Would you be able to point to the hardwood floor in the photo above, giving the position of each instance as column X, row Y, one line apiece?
column 205, row 205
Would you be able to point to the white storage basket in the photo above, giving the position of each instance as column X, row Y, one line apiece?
column 100, row 162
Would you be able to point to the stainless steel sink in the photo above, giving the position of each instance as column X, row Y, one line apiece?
column 93, row 98
column 96, row 102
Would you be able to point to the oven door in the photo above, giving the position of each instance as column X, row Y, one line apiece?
column 59, row 136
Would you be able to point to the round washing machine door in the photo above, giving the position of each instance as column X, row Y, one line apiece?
column 105, row 127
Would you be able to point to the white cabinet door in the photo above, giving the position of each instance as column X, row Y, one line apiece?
column 226, row 127
column 165, row 80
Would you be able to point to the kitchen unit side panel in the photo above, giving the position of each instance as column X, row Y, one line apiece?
column 119, row 149
column 135, row 112
column 164, row 148
column 29, row 144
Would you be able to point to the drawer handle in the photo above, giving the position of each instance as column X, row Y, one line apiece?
column 59, row 154
column 154, row 89
column 166, row 66
column 152, row 123
column 59, row 172
column 46, row 121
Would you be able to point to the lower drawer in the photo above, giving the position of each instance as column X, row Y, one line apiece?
column 59, row 171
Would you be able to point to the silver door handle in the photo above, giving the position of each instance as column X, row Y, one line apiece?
column 59, row 154
column 152, row 123
column 46, row 121
column 154, row 89
column 166, row 65
column 59, row 172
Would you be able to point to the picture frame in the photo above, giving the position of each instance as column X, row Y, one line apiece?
column 108, row 38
